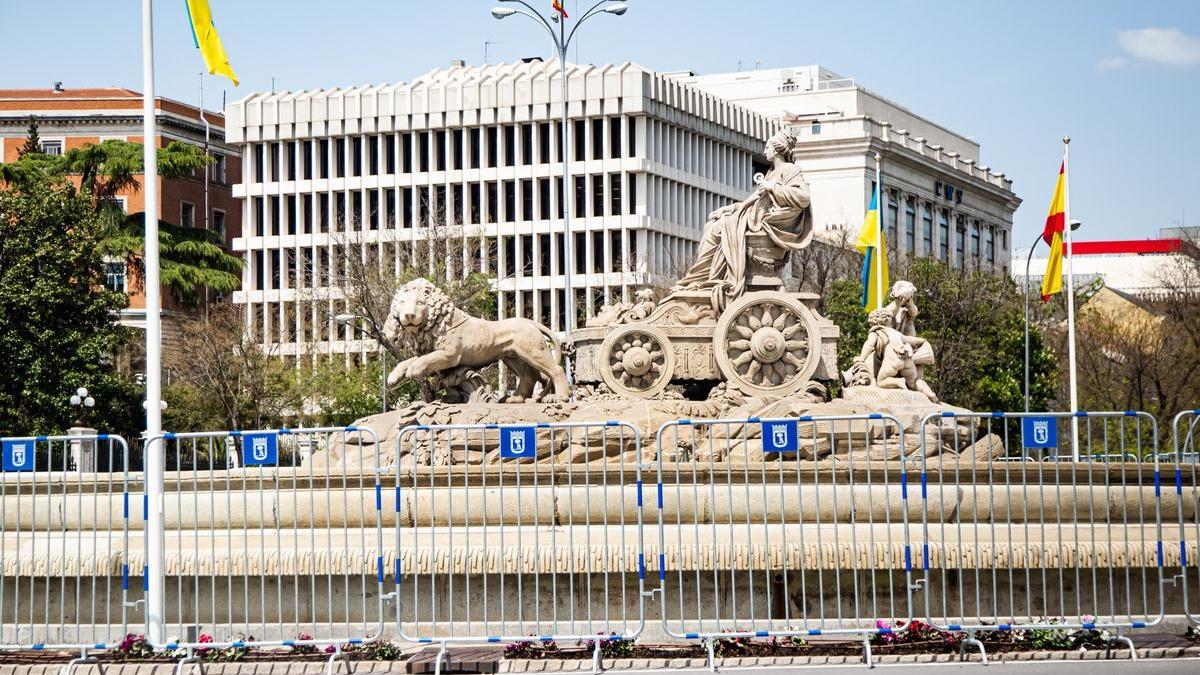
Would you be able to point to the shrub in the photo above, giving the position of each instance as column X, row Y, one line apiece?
column 134, row 647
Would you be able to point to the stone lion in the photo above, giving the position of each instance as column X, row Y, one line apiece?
column 422, row 319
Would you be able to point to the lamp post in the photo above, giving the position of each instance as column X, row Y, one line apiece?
column 352, row 321
column 82, row 403
column 1028, row 260
column 562, row 41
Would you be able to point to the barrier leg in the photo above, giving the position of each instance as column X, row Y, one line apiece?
column 190, row 658
column 437, row 661
column 712, row 661
column 970, row 640
column 867, row 651
column 597, row 665
column 338, row 656
column 1125, row 639
column 83, row 658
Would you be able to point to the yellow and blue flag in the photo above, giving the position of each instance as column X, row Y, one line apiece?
column 204, row 34
column 871, row 244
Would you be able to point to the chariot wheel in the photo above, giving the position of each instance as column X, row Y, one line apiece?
column 636, row 360
column 767, row 344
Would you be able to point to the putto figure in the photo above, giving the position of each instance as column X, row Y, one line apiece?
column 887, row 359
column 778, row 208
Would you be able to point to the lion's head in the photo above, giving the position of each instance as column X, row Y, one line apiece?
column 419, row 313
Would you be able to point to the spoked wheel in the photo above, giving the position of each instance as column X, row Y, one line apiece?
column 767, row 344
column 636, row 360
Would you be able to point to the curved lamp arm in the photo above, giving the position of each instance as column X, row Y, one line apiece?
column 592, row 11
column 533, row 14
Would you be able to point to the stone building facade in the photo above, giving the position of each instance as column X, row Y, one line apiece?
column 940, row 200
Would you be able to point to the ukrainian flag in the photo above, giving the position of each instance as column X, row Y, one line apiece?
column 870, row 243
column 204, row 34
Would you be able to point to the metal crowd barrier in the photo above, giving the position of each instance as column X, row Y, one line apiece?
column 64, row 532
column 545, row 544
column 1069, row 544
column 271, row 538
column 1185, row 429
column 784, row 527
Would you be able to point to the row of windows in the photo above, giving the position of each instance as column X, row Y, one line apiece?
column 696, row 154
column 941, row 232
column 528, row 199
column 503, row 257
column 447, row 149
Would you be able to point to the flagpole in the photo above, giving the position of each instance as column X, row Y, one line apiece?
column 879, row 239
column 154, row 453
column 1074, row 382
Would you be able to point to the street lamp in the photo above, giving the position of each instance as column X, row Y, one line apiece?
column 352, row 321
column 1028, row 260
column 82, row 402
column 562, row 41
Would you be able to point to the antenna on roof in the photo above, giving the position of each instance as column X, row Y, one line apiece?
column 487, row 44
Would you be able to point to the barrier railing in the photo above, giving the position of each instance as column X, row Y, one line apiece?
column 1042, row 545
column 64, row 532
column 1185, row 429
column 783, row 527
column 519, row 532
column 271, row 538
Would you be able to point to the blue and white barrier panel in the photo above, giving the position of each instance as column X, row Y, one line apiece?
column 1070, row 539
column 518, row 532
column 64, row 542
column 775, row 527
column 1182, row 462
column 272, row 537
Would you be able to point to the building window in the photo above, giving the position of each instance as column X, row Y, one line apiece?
column 527, row 144
column 440, row 148
column 990, row 242
column 597, row 196
column 614, row 194
column 510, row 201
column 510, row 145
column 259, row 151
column 114, row 275
column 910, row 226
column 218, row 223
column 52, row 147
column 580, row 135
column 598, row 139
column 291, row 160
column 960, row 240
column 218, row 168
column 927, row 229
column 815, row 127
column 975, row 240
column 614, row 137
column 892, row 214
column 187, row 214
column 632, row 137
column 544, row 143
column 323, row 158
column 943, row 236
column 340, row 152
column 493, row 147
column 389, row 153
column 476, row 149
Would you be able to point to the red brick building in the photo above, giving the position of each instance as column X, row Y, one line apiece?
column 68, row 118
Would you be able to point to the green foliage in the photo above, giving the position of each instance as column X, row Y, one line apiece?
column 57, row 327
column 338, row 393
column 190, row 258
column 843, row 306
column 976, row 323
column 33, row 141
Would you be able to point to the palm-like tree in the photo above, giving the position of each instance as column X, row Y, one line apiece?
column 191, row 259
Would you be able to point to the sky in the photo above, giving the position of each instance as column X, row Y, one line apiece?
column 1121, row 78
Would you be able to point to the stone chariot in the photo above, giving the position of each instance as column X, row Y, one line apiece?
column 767, row 342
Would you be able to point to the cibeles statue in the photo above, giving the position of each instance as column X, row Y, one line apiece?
column 778, row 209
column 729, row 322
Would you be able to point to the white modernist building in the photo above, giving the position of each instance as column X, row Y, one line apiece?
column 940, row 200
column 475, row 151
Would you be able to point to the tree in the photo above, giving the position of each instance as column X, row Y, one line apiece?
column 33, row 142
column 224, row 379
column 57, row 321
column 190, row 258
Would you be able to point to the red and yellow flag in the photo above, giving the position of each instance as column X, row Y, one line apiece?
column 558, row 6
column 1053, row 234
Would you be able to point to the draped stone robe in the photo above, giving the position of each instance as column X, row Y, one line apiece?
column 780, row 211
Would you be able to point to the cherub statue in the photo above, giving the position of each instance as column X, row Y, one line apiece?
column 624, row 312
column 888, row 358
column 904, row 314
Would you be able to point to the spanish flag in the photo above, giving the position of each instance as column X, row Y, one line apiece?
column 1053, row 234
column 204, row 34
column 871, row 244
column 558, row 6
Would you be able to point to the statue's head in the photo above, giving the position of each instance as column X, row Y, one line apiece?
column 903, row 290
column 780, row 144
column 879, row 317
column 411, row 308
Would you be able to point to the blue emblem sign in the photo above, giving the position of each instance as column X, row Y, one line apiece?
column 518, row 442
column 780, row 436
column 18, row 455
column 260, row 449
column 1039, row 432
